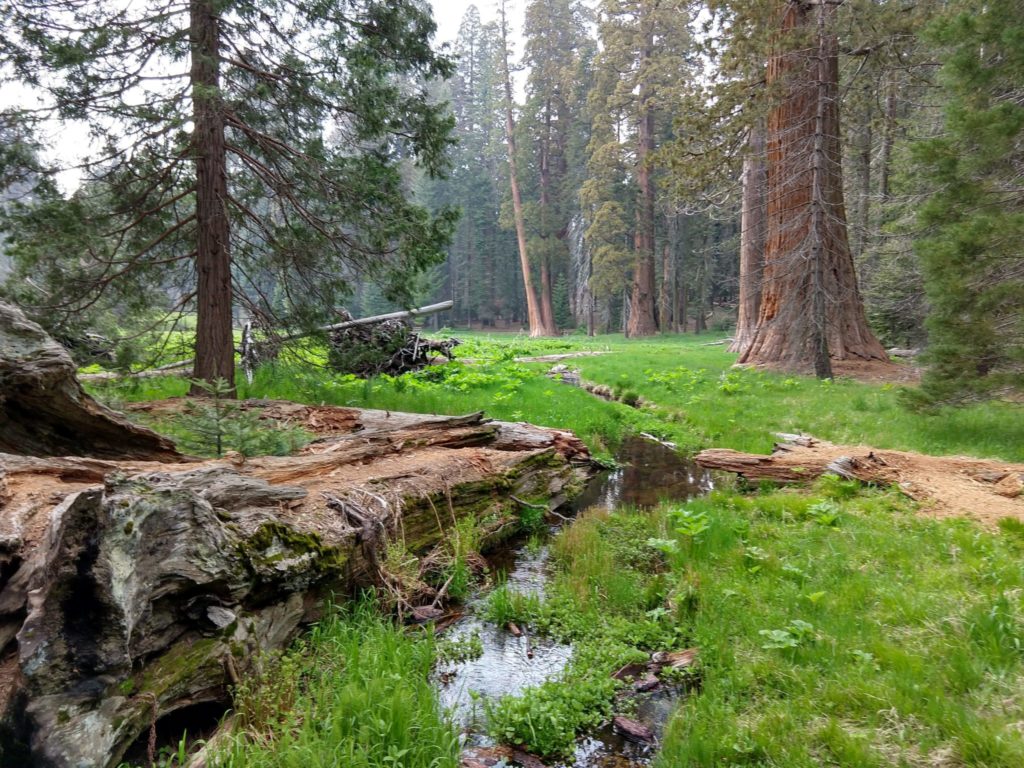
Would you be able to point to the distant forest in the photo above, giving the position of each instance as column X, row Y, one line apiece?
column 823, row 180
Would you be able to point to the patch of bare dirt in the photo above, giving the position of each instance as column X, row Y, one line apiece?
column 985, row 490
column 867, row 371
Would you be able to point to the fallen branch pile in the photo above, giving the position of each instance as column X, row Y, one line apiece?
column 389, row 347
column 984, row 489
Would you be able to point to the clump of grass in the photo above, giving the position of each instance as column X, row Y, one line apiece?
column 834, row 625
column 356, row 693
column 505, row 605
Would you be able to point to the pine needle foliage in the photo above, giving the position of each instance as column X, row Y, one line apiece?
column 972, row 259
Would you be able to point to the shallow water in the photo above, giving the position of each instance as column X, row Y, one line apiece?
column 648, row 473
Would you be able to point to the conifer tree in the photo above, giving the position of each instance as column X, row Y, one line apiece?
column 972, row 257
column 645, row 54
column 235, row 138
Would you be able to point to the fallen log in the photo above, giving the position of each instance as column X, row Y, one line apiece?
column 45, row 412
column 983, row 489
column 133, row 590
column 253, row 352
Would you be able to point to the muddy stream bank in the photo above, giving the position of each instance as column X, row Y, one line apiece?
column 647, row 473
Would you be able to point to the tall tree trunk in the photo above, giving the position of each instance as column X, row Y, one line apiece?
column 533, row 315
column 215, row 344
column 665, row 290
column 819, row 338
column 859, row 236
column 682, row 233
column 810, row 300
column 547, row 307
column 752, row 240
column 468, row 284
column 888, row 136
column 641, row 314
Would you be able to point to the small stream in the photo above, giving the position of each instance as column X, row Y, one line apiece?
column 648, row 473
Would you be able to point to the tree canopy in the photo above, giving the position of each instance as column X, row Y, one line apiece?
column 257, row 151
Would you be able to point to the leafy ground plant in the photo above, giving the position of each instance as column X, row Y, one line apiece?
column 890, row 639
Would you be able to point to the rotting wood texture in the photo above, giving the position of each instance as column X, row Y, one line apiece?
column 133, row 589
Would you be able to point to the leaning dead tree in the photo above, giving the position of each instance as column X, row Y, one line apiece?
column 534, row 316
column 142, row 584
column 811, row 309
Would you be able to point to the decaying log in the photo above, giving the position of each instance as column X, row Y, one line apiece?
column 984, row 489
column 45, row 412
column 134, row 589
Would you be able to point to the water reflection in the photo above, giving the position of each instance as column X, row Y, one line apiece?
column 648, row 473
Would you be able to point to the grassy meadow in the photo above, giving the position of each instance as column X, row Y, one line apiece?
column 835, row 625
column 835, row 628
column 694, row 397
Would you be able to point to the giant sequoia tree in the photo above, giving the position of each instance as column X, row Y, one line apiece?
column 244, row 149
column 811, row 309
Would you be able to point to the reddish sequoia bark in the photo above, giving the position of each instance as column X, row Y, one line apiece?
column 215, row 348
column 752, row 232
column 641, row 299
column 810, row 294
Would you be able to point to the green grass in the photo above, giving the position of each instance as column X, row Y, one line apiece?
column 697, row 387
column 697, row 399
column 503, row 389
column 355, row 693
column 834, row 628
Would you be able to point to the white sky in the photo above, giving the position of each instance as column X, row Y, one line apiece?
column 447, row 13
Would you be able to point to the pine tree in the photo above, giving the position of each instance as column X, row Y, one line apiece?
column 972, row 258
column 213, row 169
column 558, row 48
column 645, row 54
